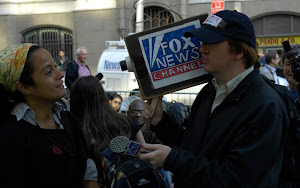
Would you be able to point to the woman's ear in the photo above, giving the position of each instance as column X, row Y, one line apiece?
column 24, row 89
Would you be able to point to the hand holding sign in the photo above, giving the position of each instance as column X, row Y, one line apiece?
column 156, row 110
column 165, row 61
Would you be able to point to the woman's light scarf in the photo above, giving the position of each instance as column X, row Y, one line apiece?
column 12, row 61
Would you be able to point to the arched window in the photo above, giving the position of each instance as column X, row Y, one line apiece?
column 52, row 39
column 279, row 24
column 156, row 17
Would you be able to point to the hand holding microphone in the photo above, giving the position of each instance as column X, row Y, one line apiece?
column 158, row 155
column 122, row 144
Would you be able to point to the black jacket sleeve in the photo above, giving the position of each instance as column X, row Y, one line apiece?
column 13, row 166
column 242, row 165
column 168, row 132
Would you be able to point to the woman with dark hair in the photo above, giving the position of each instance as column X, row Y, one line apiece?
column 41, row 145
column 100, row 122
column 115, row 101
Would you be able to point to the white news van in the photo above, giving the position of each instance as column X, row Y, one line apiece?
column 114, row 79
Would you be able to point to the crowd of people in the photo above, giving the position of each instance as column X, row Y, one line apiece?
column 52, row 136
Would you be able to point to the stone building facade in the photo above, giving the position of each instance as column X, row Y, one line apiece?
column 68, row 24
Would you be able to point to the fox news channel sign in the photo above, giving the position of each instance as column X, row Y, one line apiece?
column 170, row 57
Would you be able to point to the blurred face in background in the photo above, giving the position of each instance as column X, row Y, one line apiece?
column 287, row 71
column 277, row 60
column 61, row 53
column 115, row 103
column 136, row 111
column 82, row 56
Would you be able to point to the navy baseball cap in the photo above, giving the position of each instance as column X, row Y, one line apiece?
column 224, row 25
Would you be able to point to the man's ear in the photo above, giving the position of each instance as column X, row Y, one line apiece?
column 239, row 56
column 273, row 60
column 24, row 89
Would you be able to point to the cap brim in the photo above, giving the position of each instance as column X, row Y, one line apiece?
column 206, row 35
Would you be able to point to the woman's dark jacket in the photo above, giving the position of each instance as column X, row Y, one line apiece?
column 28, row 161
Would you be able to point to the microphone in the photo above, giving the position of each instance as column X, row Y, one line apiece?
column 122, row 144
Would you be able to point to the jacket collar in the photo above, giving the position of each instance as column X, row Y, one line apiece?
column 243, row 86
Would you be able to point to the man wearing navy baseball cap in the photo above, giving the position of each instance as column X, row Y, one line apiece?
column 233, row 137
column 225, row 25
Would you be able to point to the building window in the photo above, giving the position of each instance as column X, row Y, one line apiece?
column 156, row 17
column 52, row 39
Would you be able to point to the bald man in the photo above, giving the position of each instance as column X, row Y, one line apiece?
column 136, row 112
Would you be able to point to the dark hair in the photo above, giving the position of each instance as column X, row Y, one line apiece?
column 108, row 95
column 250, row 54
column 99, row 121
column 135, row 103
column 26, row 75
column 134, row 92
column 115, row 95
column 26, row 78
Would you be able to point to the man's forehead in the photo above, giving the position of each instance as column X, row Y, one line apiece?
column 137, row 105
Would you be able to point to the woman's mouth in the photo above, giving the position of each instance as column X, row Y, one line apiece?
column 60, row 86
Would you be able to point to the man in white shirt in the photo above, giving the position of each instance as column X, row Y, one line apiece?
column 269, row 70
column 233, row 137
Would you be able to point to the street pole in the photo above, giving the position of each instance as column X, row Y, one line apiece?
column 139, row 26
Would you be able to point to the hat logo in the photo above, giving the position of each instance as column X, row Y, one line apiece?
column 213, row 20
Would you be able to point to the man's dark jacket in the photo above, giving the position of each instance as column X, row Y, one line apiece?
column 72, row 73
column 239, row 144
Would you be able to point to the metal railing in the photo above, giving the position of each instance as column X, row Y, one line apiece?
column 183, row 97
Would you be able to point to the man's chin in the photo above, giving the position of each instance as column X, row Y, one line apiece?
column 140, row 122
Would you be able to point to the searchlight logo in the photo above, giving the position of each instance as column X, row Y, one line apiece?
column 170, row 57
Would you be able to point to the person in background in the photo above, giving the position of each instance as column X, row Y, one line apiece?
column 136, row 112
column 115, row 101
column 134, row 95
column 235, row 133
column 269, row 70
column 62, row 61
column 42, row 145
column 272, row 71
column 289, row 75
column 99, row 121
column 261, row 56
column 78, row 67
